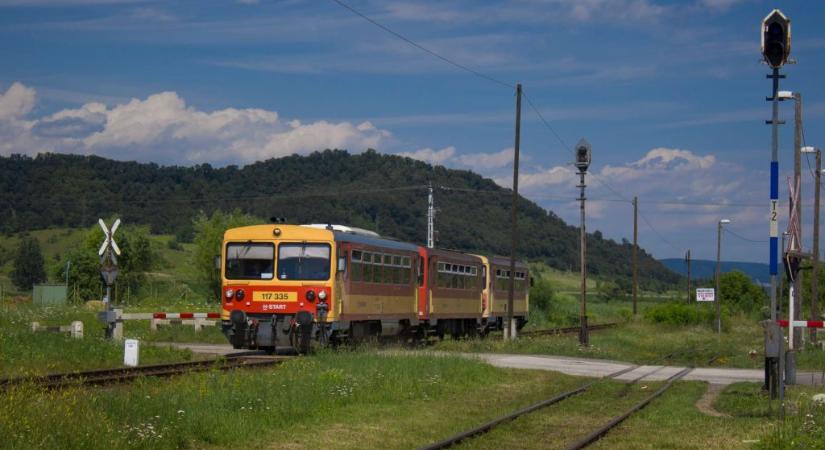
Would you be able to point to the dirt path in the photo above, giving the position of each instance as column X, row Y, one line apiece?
column 705, row 404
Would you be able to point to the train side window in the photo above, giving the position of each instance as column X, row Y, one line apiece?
column 366, row 267
column 377, row 270
column 421, row 271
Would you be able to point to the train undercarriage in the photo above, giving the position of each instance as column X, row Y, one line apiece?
column 300, row 332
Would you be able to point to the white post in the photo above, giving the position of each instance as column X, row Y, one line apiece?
column 117, row 332
column 77, row 329
column 790, row 316
column 131, row 351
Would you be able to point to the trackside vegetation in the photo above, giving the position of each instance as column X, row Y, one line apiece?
column 25, row 353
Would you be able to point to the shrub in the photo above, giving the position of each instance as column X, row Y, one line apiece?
column 541, row 295
column 680, row 314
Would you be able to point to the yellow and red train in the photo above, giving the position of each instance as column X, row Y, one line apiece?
column 289, row 285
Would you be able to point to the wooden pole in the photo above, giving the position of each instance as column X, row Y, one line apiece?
column 510, row 332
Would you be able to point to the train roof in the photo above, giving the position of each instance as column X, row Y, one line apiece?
column 453, row 255
column 505, row 261
column 374, row 241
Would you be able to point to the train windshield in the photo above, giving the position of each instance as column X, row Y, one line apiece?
column 303, row 261
column 250, row 261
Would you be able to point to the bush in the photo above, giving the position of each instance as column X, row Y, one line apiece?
column 174, row 244
column 680, row 314
column 740, row 293
column 541, row 295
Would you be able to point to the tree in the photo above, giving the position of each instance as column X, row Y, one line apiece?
column 208, row 239
column 740, row 293
column 28, row 264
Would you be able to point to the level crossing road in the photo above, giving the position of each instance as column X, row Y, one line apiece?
column 585, row 367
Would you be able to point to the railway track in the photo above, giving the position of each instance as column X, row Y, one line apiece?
column 126, row 374
column 593, row 436
column 568, row 330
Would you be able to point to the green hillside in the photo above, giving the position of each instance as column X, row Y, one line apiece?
column 381, row 192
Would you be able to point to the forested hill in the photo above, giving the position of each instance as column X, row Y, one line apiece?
column 375, row 191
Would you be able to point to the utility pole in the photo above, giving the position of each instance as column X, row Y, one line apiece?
column 430, row 218
column 583, row 154
column 635, row 251
column 510, row 331
column 718, row 293
column 687, row 260
column 815, row 280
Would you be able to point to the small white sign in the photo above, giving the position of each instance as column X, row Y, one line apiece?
column 131, row 350
column 705, row 294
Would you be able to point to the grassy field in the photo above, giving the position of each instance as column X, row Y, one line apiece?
column 25, row 353
column 640, row 342
column 359, row 399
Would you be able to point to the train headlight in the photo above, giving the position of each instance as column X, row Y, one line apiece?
column 310, row 296
column 240, row 295
column 229, row 294
column 322, row 295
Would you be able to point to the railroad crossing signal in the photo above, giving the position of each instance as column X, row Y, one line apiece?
column 776, row 39
column 108, row 240
column 107, row 253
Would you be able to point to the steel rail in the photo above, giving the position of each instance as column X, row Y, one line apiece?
column 603, row 430
column 485, row 427
column 125, row 374
column 568, row 330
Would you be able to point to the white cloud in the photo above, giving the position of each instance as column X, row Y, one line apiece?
column 486, row 161
column 16, row 102
column 162, row 128
column 431, row 156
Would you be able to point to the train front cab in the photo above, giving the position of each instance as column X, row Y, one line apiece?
column 276, row 282
column 496, row 287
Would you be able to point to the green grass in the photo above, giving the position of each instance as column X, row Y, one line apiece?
column 341, row 400
column 803, row 426
column 360, row 399
column 640, row 342
column 25, row 353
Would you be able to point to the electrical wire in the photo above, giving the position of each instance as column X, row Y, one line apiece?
column 656, row 232
column 544, row 121
column 744, row 238
column 421, row 47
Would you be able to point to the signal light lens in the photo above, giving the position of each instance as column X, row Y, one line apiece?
column 322, row 295
column 310, row 296
column 240, row 295
column 229, row 293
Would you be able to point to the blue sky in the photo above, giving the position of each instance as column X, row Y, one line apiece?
column 670, row 94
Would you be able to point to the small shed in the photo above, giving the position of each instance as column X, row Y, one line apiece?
column 49, row 294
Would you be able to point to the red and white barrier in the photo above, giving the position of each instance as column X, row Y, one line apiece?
column 168, row 315
column 802, row 323
column 198, row 320
column 186, row 315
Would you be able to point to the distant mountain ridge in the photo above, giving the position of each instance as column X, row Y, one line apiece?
column 703, row 268
column 380, row 192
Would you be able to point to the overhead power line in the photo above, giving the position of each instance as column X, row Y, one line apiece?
column 659, row 235
column 759, row 241
column 422, row 48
